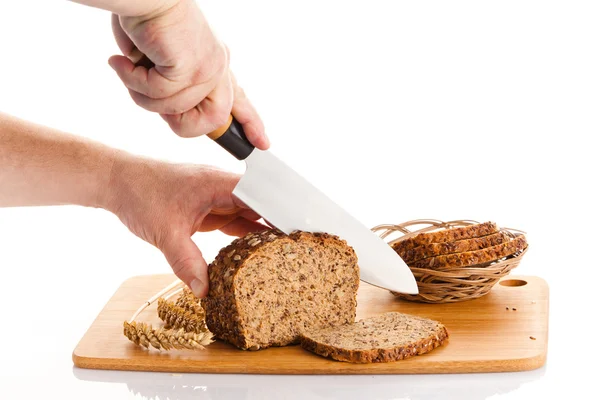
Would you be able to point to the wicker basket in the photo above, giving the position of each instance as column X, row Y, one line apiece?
column 451, row 285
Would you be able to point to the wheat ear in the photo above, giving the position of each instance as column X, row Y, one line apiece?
column 144, row 335
column 191, row 303
column 179, row 318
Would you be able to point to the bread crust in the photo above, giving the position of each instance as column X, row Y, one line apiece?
column 472, row 258
column 459, row 246
column 447, row 235
column 223, row 317
column 377, row 355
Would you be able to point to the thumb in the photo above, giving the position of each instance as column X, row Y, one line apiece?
column 187, row 263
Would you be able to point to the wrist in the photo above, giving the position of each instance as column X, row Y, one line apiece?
column 111, row 187
column 130, row 8
column 150, row 10
column 126, row 181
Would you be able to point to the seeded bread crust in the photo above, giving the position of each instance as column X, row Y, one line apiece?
column 223, row 317
column 472, row 258
column 433, row 334
column 446, row 235
column 222, row 314
column 459, row 246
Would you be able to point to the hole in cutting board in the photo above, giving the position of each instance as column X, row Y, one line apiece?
column 513, row 282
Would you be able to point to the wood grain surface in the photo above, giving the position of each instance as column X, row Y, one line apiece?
column 485, row 336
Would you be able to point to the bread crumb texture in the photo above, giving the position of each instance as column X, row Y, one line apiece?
column 387, row 337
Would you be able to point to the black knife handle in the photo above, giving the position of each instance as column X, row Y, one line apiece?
column 230, row 136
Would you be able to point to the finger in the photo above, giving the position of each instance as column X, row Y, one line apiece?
column 148, row 82
column 123, row 41
column 211, row 113
column 225, row 211
column 222, row 184
column 249, row 214
column 181, row 102
column 241, row 211
column 217, row 221
column 241, row 227
column 213, row 222
column 187, row 263
column 246, row 114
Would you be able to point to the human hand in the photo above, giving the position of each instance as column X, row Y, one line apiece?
column 190, row 84
column 165, row 204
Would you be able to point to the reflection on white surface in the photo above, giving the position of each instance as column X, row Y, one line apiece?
column 167, row 386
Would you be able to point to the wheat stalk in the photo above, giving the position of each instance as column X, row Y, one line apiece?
column 179, row 318
column 145, row 335
column 156, row 296
column 190, row 328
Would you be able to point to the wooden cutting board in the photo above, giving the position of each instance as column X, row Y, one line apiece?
column 506, row 330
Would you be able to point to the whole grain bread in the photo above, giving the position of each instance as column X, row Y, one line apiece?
column 387, row 337
column 473, row 258
column 267, row 288
column 446, row 235
column 459, row 246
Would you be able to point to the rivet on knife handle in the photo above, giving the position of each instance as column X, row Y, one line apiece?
column 230, row 136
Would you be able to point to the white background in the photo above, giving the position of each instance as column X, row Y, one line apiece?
column 398, row 110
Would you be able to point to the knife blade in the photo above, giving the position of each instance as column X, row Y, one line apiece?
column 289, row 202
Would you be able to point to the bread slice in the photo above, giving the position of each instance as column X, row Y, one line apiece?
column 387, row 337
column 446, row 235
column 459, row 246
column 472, row 258
column 266, row 289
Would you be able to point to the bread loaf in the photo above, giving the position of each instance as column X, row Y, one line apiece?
column 387, row 337
column 268, row 288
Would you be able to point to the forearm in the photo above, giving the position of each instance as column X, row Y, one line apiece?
column 129, row 8
column 42, row 166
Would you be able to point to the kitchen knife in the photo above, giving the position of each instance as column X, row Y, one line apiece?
column 289, row 202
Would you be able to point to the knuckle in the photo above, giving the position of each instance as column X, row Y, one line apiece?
column 138, row 98
column 212, row 65
column 184, row 130
column 173, row 109
column 180, row 265
column 175, row 123
column 227, row 53
column 219, row 116
column 222, row 58
column 175, row 106
column 240, row 93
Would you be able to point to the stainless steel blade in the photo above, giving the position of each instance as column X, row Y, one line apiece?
column 289, row 202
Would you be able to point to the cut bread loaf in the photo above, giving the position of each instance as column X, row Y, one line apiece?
column 447, row 235
column 473, row 258
column 268, row 288
column 387, row 337
column 459, row 246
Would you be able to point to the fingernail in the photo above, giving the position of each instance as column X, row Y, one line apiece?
column 197, row 287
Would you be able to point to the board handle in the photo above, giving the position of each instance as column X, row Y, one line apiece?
column 230, row 136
